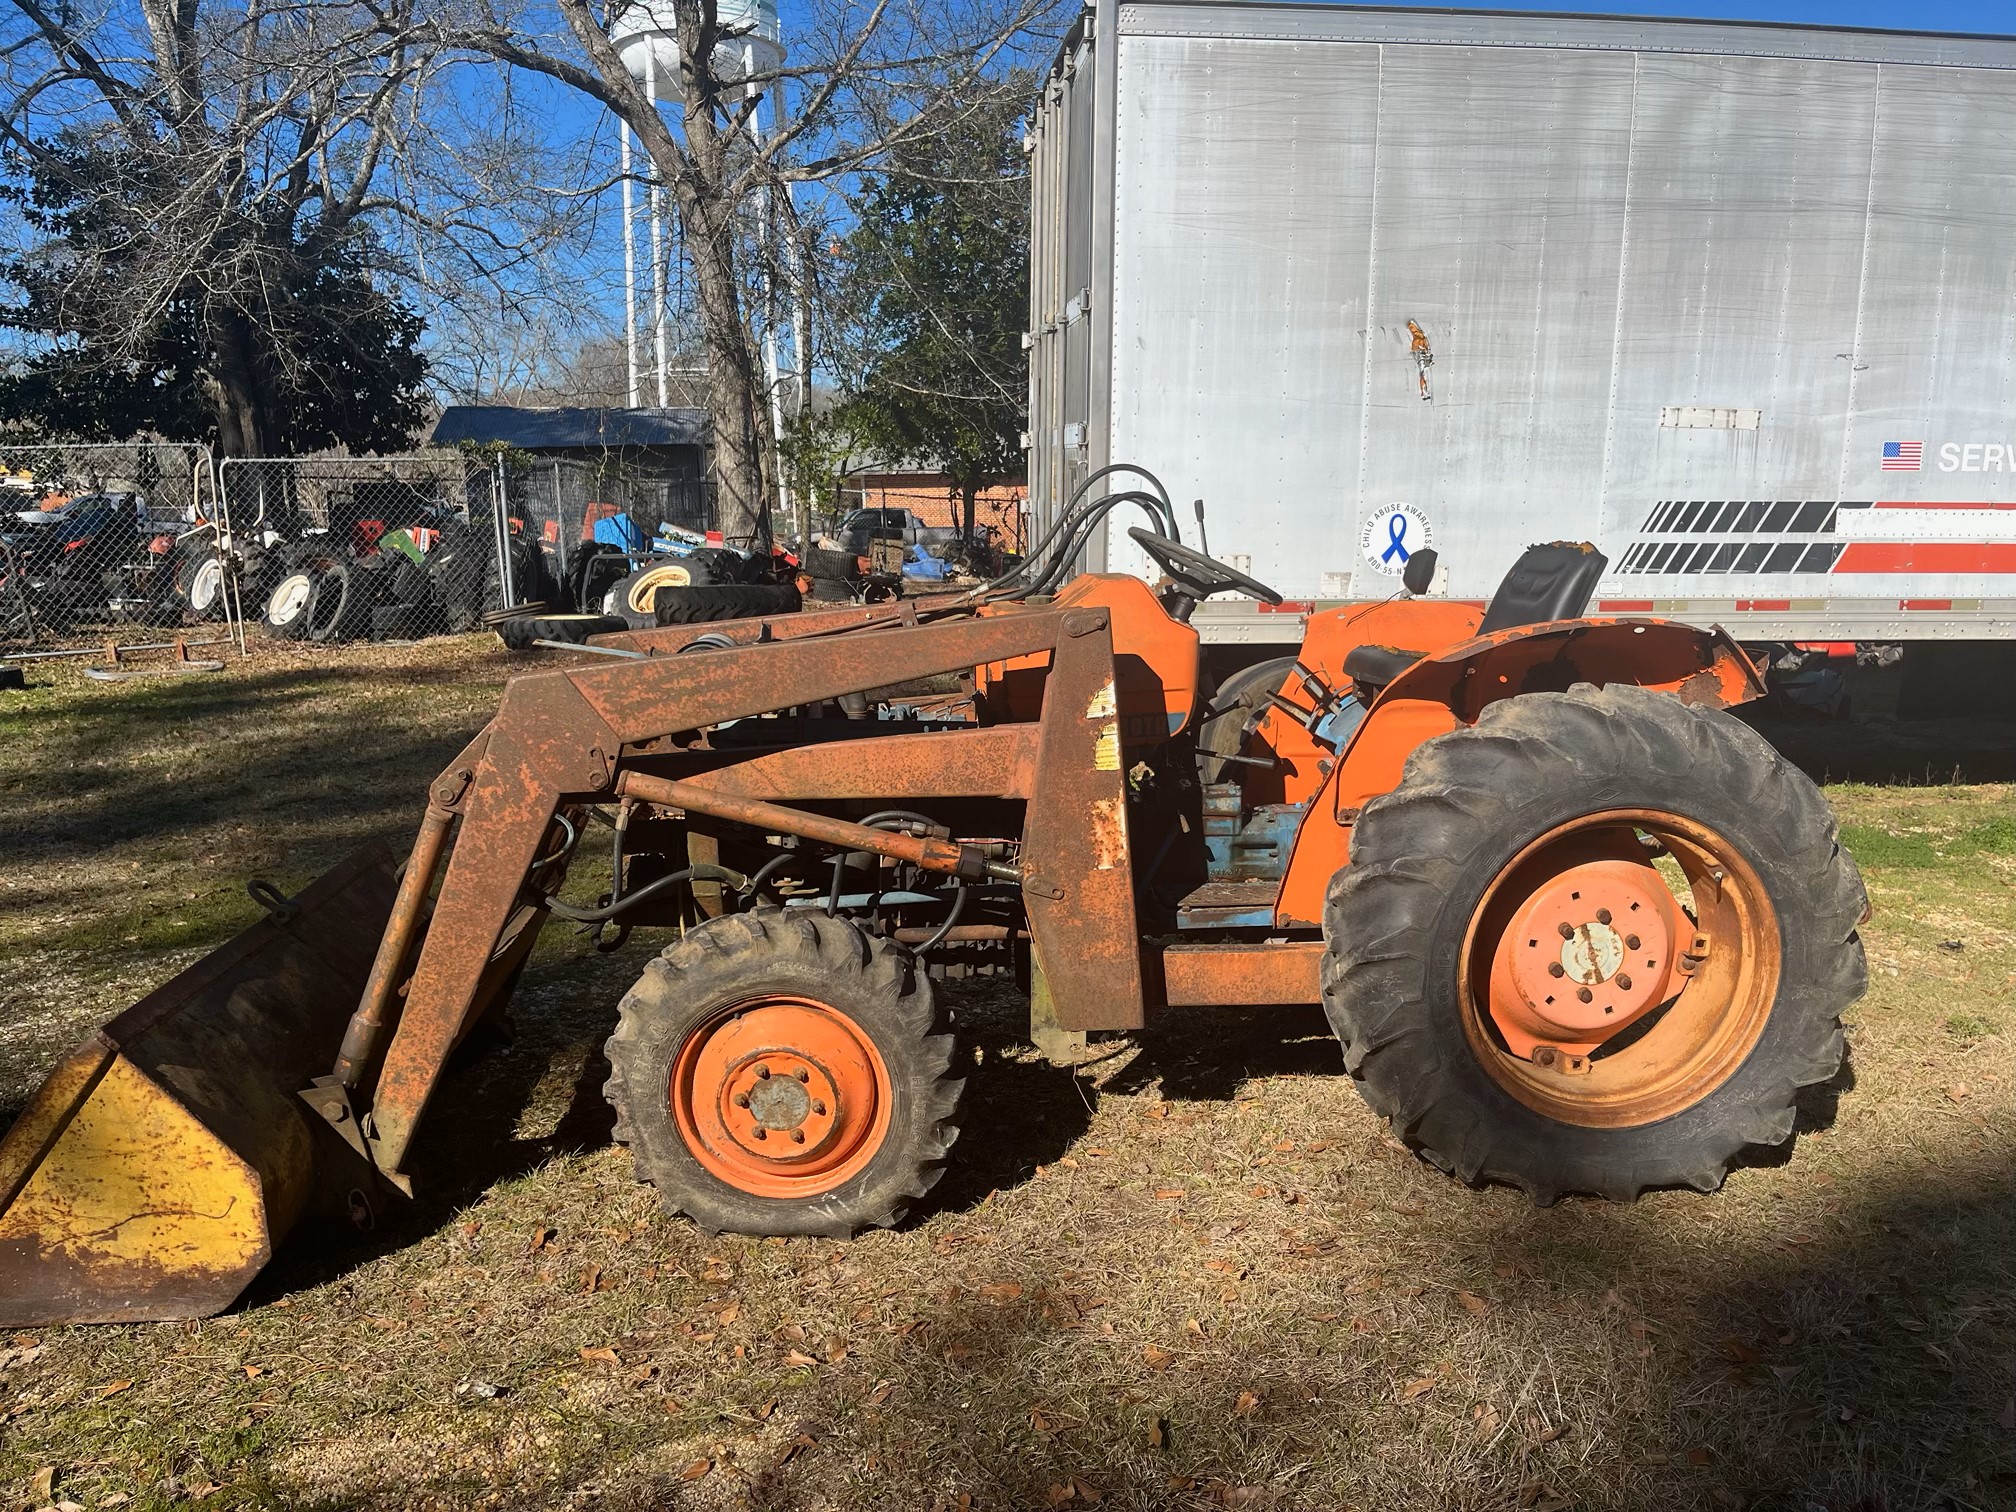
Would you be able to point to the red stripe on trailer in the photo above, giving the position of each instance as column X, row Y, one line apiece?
column 1625, row 606
column 1928, row 556
column 1762, row 604
column 1935, row 604
column 1290, row 606
column 1827, row 648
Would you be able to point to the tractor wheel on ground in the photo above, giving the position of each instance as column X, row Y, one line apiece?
column 636, row 596
column 341, row 607
column 520, row 633
column 701, row 606
column 831, row 591
column 199, row 583
column 783, row 1073
column 1596, row 943
column 286, row 616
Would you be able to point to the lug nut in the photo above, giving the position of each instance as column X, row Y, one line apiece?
column 1630, row 942
column 804, row 1075
column 1555, row 968
column 762, row 1133
column 1602, row 916
column 762, row 1073
column 797, row 1136
column 819, row 1108
column 1623, row 981
column 1567, row 930
column 741, row 1099
column 1584, row 994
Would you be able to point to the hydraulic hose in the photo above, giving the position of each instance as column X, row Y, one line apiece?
column 700, row 872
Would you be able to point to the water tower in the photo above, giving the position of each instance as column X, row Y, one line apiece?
column 646, row 34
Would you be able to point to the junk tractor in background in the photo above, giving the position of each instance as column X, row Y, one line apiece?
column 1577, row 927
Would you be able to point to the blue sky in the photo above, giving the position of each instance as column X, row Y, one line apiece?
column 599, row 298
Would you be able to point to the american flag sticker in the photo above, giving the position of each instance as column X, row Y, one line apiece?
column 1903, row 456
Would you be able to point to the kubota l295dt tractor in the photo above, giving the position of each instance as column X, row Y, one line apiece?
column 1577, row 927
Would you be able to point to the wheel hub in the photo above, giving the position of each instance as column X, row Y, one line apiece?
column 1587, row 952
column 779, row 1104
column 781, row 1097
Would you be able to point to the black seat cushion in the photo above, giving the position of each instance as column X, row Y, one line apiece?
column 1376, row 666
column 1550, row 582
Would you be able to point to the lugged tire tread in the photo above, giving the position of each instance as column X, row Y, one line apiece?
column 1408, row 851
column 673, row 991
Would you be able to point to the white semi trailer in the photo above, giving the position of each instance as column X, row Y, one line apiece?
column 1735, row 301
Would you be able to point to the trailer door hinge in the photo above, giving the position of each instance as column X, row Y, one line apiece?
column 1078, row 306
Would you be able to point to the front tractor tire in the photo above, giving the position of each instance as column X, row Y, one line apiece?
column 1596, row 942
column 781, row 1072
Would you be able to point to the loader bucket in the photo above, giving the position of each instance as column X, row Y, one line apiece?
column 159, row 1166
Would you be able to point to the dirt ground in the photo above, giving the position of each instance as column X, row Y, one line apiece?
column 1194, row 1273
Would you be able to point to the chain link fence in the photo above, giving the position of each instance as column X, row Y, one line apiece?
column 336, row 549
column 110, row 541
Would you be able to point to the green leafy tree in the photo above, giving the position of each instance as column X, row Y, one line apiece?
column 936, row 286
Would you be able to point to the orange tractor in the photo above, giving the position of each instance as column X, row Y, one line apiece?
column 1577, row 928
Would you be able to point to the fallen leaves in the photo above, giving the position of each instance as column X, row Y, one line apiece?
column 1247, row 1404
column 797, row 1359
column 1155, row 1357
column 999, row 1292
column 42, row 1484
column 1420, row 1386
column 113, row 1388
column 604, row 1354
column 1472, row 1303
column 698, row 1470
column 541, row 1237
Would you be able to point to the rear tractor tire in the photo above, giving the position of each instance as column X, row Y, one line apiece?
column 1595, row 943
column 784, row 1073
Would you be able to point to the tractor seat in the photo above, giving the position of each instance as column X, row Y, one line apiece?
column 1376, row 666
column 1547, row 583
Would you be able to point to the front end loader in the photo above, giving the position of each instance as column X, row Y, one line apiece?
column 1577, row 928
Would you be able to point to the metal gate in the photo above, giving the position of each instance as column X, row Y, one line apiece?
column 123, row 540
column 340, row 549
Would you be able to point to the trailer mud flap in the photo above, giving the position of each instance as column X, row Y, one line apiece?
column 157, row 1169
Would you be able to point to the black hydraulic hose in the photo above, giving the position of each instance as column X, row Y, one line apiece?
column 944, row 929
column 700, row 872
column 1098, row 512
column 1036, row 553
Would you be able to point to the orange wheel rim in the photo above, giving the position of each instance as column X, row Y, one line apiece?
column 781, row 1096
column 1589, row 990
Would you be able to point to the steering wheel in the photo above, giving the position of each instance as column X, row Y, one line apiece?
column 1195, row 575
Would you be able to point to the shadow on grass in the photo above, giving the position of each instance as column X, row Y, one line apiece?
column 1862, row 1374
column 272, row 747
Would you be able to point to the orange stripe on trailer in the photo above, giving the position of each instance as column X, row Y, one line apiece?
column 1755, row 605
column 1934, row 604
column 1928, row 556
column 1625, row 606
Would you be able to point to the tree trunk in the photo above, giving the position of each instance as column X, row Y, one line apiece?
column 969, row 494
column 742, row 509
column 231, row 381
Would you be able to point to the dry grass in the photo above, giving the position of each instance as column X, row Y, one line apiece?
column 1193, row 1274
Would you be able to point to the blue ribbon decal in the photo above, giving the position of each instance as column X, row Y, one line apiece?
column 1396, row 535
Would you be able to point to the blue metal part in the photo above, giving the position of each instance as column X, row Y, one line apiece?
column 1247, row 848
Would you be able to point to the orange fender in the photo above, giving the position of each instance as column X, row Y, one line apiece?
column 1451, row 688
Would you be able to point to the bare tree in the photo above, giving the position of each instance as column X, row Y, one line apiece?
column 862, row 80
column 246, row 174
